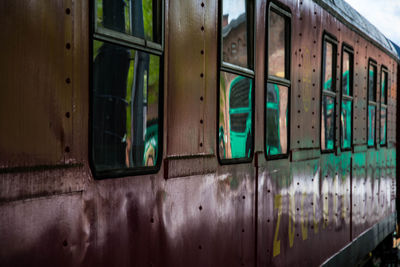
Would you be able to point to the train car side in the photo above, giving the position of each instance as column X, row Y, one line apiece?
column 303, row 205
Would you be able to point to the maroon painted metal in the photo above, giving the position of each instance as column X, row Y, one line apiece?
column 193, row 212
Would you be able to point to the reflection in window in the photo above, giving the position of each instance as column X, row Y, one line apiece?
column 383, row 126
column 328, row 98
column 277, row 88
column 276, row 45
column 383, row 117
column 137, row 18
column 328, row 123
column 327, row 73
column 234, row 28
column 371, row 104
column 125, row 107
column 371, row 124
column 346, row 123
column 384, row 87
column 235, row 116
column 347, row 100
column 276, row 119
column 235, row 121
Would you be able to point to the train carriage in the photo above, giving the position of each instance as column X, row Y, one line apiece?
column 195, row 133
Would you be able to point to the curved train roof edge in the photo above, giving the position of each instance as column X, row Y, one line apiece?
column 355, row 21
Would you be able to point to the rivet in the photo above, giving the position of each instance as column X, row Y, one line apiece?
column 68, row 80
column 68, row 11
column 201, row 75
column 200, row 207
column 201, row 144
column 202, row 4
column 201, row 121
column 68, row 46
column 201, row 98
column 65, row 243
column 67, row 149
column 67, row 114
column 202, row 28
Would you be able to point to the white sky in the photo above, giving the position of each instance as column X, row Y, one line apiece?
column 384, row 14
column 234, row 8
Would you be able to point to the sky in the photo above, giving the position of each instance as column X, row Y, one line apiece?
column 384, row 14
column 234, row 8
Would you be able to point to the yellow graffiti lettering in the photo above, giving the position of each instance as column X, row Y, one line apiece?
column 277, row 243
column 315, row 213
column 344, row 206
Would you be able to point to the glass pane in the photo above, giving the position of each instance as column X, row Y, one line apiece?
column 327, row 66
column 276, row 45
column 125, row 107
column 371, row 125
column 328, row 123
column 235, row 116
column 384, row 87
column 346, row 75
column 276, row 119
column 132, row 17
column 372, row 83
column 346, row 123
column 383, row 126
column 234, row 33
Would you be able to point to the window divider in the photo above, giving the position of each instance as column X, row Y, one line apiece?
column 231, row 68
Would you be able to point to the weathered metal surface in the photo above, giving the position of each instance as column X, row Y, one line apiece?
column 296, row 210
column 36, row 91
column 191, row 71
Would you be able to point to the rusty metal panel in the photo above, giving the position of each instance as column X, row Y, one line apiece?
column 48, row 231
column 79, row 13
column 192, row 62
column 306, row 77
column 36, row 104
column 360, row 92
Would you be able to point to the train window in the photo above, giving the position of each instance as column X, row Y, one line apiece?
column 141, row 19
column 278, row 83
column 236, row 78
column 328, row 107
column 384, row 99
column 126, row 82
column 347, row 99
column 372, row 105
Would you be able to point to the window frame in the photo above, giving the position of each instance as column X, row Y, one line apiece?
column 237, row 70
column 327, row 37
column 114, row 37
column 384, row 69
column 348, row 49
column 127, row 40
column 285, row 12
column 372, row 62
